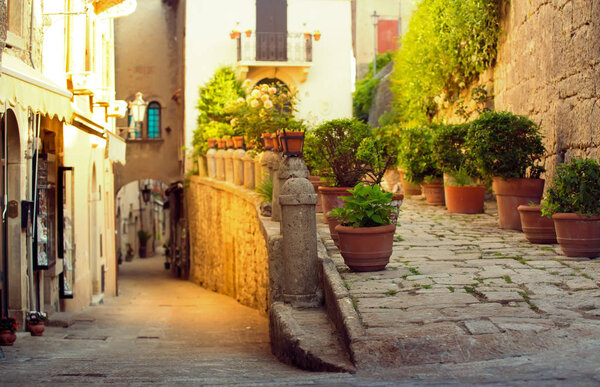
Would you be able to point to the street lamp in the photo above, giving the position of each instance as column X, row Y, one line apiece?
column 375, row 19
column 146, row 194
column 137, row 109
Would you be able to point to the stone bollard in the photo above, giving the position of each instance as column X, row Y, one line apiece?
column 211, row 162
column 276, row 160
column 202, row 166
column 299, row 229
column 265, row 163
column 248, row 171
column 220, row 158
column 258, row 171
column 229, row 165
column 238, row 166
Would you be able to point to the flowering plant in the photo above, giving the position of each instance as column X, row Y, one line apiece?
column 266, row 108
column 8, row 324
column 36, row 317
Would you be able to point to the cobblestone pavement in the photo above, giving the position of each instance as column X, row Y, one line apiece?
column 458, row 289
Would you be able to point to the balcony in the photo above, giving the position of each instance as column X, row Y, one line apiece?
column 82, row 83
column 274, row 50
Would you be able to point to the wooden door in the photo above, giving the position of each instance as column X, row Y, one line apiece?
column 271, row 30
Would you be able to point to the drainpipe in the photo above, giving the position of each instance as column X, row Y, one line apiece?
column 31, row 36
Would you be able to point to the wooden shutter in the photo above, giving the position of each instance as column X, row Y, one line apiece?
column 271, row 30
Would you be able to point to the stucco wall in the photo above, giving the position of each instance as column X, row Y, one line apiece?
column 548, row 68
column 228, row 243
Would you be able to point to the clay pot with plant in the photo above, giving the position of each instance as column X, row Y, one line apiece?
column 144, row 237
column 8, row 329
column 335, row 144
column 418, row 164
column 508, row 148
column 366, row 232
column 536, row 227
column 36, row 322
column 573, row 202
column 463, row 192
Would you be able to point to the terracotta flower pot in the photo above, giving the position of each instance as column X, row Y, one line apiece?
column 330, row 198
column 292, row 142
column 317, row 182
column 212, row 142
column 221, row 143
column 36, row 329
column 434, row 193
column 578, row 235
column 466, row 199
column 276, row 143
column 332, row 222
column 238, row 142
column 537, row 228
column 267, row 141
column 510, row 194
column 409, row 188
column 317, row 36
column 248, row 33
column 229, row 142
column 7, row 338
column 366, row 248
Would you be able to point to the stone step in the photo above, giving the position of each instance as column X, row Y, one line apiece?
column 61, row 319
column 306, row 338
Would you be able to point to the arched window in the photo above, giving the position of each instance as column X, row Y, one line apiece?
column 153, row 120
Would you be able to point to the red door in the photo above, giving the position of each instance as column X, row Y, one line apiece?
column 387, row 35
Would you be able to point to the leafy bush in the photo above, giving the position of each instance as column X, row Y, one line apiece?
column 575, row 188
column 452, row 154
column 416, row 153
column 379, row 152
column 335, row 145
column 265, row 189
column 8, row 324
column 210, row 129
column 366, row 88
column 448, row 44
column 506, row 145
column 368, row 206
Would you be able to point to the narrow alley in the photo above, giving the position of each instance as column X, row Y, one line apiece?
column 159, row 330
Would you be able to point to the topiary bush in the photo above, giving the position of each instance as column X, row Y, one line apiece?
column 575, row 188
column 448, row 44
column 506, row 145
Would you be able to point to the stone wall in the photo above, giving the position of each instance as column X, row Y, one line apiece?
column 228, row 241
column 548, row 68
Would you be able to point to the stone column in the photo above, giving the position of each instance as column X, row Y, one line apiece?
column 277, row 183
column 211, row 162
column 248, row 171
column 238, row 166
column 220, row 158
column 229, row 165
column 299, row 230
column 202, row 166
column 265, row 163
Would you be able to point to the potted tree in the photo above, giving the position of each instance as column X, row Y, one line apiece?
column 416, row 158
column 366, row 232
column 462, row 191
column 8, row 327
column 508, row 148
column 573, row 202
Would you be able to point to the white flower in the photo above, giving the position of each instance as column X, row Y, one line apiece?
column 268, row 104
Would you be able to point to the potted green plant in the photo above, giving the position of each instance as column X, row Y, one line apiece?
column 508, row 148
column 366, row 232
column 144, row 237
column 463, row 193
column 536, row 227
column 8, row 327
column 35, row 322
column 573, row 202
column 416, row 159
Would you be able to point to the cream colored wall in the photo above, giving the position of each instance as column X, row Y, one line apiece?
column 325, row 95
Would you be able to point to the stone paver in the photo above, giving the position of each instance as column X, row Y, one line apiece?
column 471, row 292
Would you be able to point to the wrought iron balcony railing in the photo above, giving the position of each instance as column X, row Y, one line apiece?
column 274, row 47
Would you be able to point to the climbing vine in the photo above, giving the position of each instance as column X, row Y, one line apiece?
column 448, row 44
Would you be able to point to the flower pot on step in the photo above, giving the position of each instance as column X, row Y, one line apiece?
column 366, row 248
column 537, row 228
column 330, row 198
column 7, row 338
column 466, row 199
column 510, row 194
column 578, row 235
column 36, row 329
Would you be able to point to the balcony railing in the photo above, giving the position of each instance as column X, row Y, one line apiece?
column 274, row 47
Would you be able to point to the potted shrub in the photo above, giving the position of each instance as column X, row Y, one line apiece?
column 144, row 237
column 234, row 34
column 248, row 33
column 463, row 193
column 35, row 322
column 416, row 159
column 8, row 327
column 508, row 148
column 573, row 202
column 317, row 35
column 536, row 227
column 366, row 233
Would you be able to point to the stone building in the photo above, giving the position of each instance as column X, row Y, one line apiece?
column 57, row 112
